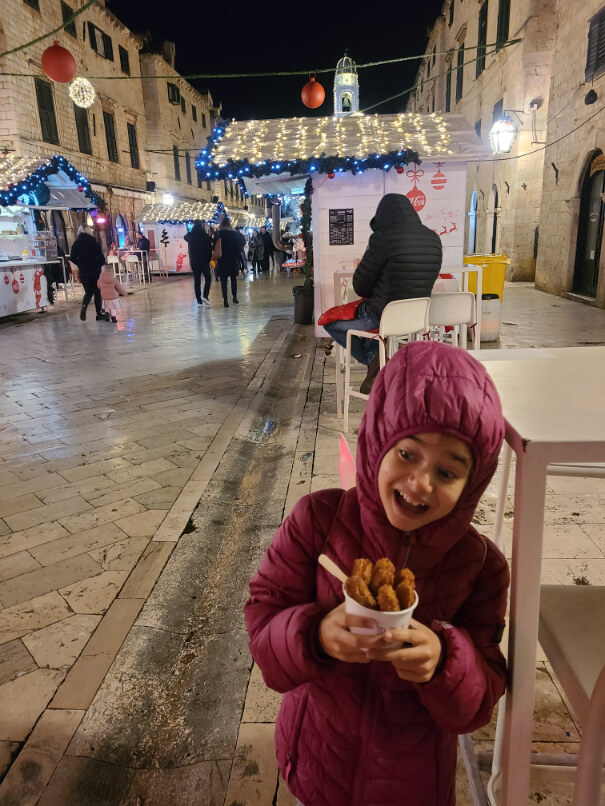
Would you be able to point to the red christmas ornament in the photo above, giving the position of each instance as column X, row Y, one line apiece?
column 313, row 94
column 80, row 189
column 399, row 169
column 416, row 196
column 59, row 64
column 15, row 285
column 21, row 278
column 438, row 180
column 7, row 279
column 331, row 175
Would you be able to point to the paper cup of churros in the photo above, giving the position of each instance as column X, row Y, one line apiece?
column 377, row 591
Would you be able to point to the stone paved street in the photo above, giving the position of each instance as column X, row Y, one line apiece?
column 144, row 469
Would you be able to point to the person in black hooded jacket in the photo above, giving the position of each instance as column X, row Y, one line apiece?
column 88, row 257
column 402, row 261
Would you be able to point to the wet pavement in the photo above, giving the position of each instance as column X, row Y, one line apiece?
column 126, row 677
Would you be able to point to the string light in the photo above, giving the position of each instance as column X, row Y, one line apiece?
column 23, row 176
column 82, row 93
column 182, row 212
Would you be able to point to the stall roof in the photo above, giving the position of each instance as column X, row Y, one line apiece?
column 31, row 177
column 183, row 211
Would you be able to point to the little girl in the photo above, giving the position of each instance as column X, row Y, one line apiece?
column 110, row 291
column 362, row 723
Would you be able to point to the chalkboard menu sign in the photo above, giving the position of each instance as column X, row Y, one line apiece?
column 341, row 227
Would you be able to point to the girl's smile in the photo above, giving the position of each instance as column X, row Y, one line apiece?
column 421, row 479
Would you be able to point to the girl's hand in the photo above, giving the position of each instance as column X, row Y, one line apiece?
column 416, row 663
column 336, row 640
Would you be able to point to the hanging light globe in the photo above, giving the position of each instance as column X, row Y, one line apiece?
column 82, row 93
column 502, row 135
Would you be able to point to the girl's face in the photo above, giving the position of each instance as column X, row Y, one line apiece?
column 421, row 479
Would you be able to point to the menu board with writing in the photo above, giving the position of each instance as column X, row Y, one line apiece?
column 341, row 227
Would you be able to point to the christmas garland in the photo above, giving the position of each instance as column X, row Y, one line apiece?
column 32, row 182
column 306, row 234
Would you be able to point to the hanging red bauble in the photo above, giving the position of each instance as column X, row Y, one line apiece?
column 313, row 94
column 7, row 279
column 15, row 285
column 399, row 169
column 80, row 189
column 417, row 198
column 331, row 175
column 21, row 278
column 59, row 64
column 438, row 180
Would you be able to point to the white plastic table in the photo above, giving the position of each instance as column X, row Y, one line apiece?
column 553, row 402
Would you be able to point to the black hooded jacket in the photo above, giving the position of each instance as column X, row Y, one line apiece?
column 403, row 257
column 86, row 254
column 200, row 247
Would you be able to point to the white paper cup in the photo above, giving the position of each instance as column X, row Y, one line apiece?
column 394, row 620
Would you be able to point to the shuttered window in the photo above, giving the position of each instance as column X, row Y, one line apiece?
column 83, row 130
column 66, row 13
column 100, row 42
column 174, row 94
column 450, row 22
column 203, row 120
column 124, row 60
column 183, row 106
column 46, row 110
column 188, row 167
column 177, row 164
column 33, row 4
column 481, row 40
column 193, row 112
column 448, row 89
column 110, row 137
column 459, row 73
column 503, row 23
column 133, row 145
column 595, row 57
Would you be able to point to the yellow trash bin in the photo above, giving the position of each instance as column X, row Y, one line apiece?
column 493, row 273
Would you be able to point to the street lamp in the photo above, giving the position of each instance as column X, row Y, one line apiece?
column 502, row 135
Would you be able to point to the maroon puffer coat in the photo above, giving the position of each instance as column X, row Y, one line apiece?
column 355, row 734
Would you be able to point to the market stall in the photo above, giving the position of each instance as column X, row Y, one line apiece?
column 353, row 161
column 166, row 225
column 30, row 189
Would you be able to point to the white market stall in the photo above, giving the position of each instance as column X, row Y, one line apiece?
column 354, row 161
column 28, row 185
column 166, row 225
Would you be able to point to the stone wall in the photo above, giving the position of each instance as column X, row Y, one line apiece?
column 517, row 76
column 572, row 154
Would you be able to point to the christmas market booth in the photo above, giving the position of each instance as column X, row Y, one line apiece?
column 346, row 165
column 166, row 225
column 36, row 196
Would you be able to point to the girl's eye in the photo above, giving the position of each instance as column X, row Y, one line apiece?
column 449, row 475
column 404, row 454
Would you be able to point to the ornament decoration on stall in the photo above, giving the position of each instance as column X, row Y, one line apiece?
column 59, row 64
column 415, row 195
column 164, row 240
column 16, row 184
column 400, row 169
column 22, row 278
column 331, row 175
column 15, row 285
column 7, row 279
column 438, row 180
column 82, row 93
column 313, row 94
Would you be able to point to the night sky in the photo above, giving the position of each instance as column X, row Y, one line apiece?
column 240, row 38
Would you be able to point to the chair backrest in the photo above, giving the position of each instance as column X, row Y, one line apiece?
column 132, row 259
column 452, row 308
column 405, row 317
column 113, row 259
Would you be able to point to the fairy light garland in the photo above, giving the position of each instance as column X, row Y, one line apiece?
column 16, row 180
column 82, row 93
column 185, row 212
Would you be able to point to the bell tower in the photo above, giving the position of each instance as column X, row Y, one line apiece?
column 346, row 87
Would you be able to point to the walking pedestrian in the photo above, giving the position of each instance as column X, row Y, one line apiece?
column 402, row 260
column 86, row 254
column 200, row 252
column 268, row 248
column 111, row 290
column 243, row 260
column 258, row 252
column 227, row 249
column 373, row 719
column 144, row 245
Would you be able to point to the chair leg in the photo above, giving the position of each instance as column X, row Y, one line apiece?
column 347, row 390
column 507, row 453
column 587, row 791
column 338, row 354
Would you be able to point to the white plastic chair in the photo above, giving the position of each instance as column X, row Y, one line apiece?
column 135, row 267
column 116, row 265
column 404, row 317
column 453, row 309
column 156, row 265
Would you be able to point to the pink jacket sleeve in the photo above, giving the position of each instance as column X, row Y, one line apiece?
column 282, row 614
column 461, row 697
column 120, row 288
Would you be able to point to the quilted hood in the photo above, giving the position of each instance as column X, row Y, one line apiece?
column 394, row 210
column 430, row 387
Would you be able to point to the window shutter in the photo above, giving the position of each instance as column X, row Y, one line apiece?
column 183, row 106
column 133, row 145
column 481, row 40
column 459, row 73
column 188, row 167
column 66, row 13
column 83, row 130
column 448, row 90
column 46, row 109
column 193, row 112
column 92, row 37
column 110, row 137
column 177, row 164
column 107, row 47
column 595, row 55
column 503, row 22
column 124, row 60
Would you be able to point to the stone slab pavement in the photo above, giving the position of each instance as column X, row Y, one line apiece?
column 145, row 468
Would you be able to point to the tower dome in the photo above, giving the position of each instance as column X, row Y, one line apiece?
column 346, row 87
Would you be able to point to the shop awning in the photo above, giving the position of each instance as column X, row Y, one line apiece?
column 45, row 184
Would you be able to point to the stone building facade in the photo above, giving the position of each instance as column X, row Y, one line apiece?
column 571, row 257
column 482, row 83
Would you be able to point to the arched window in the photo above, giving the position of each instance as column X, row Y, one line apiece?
column 472, row 225
column 121, row 231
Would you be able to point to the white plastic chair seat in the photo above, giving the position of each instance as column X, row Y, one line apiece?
column 571, row 634
column 404, row 317
column 452, row 309
column 135, row 267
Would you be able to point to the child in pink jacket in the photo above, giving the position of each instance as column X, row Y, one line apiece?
column 110, row 291
column 363, row 721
